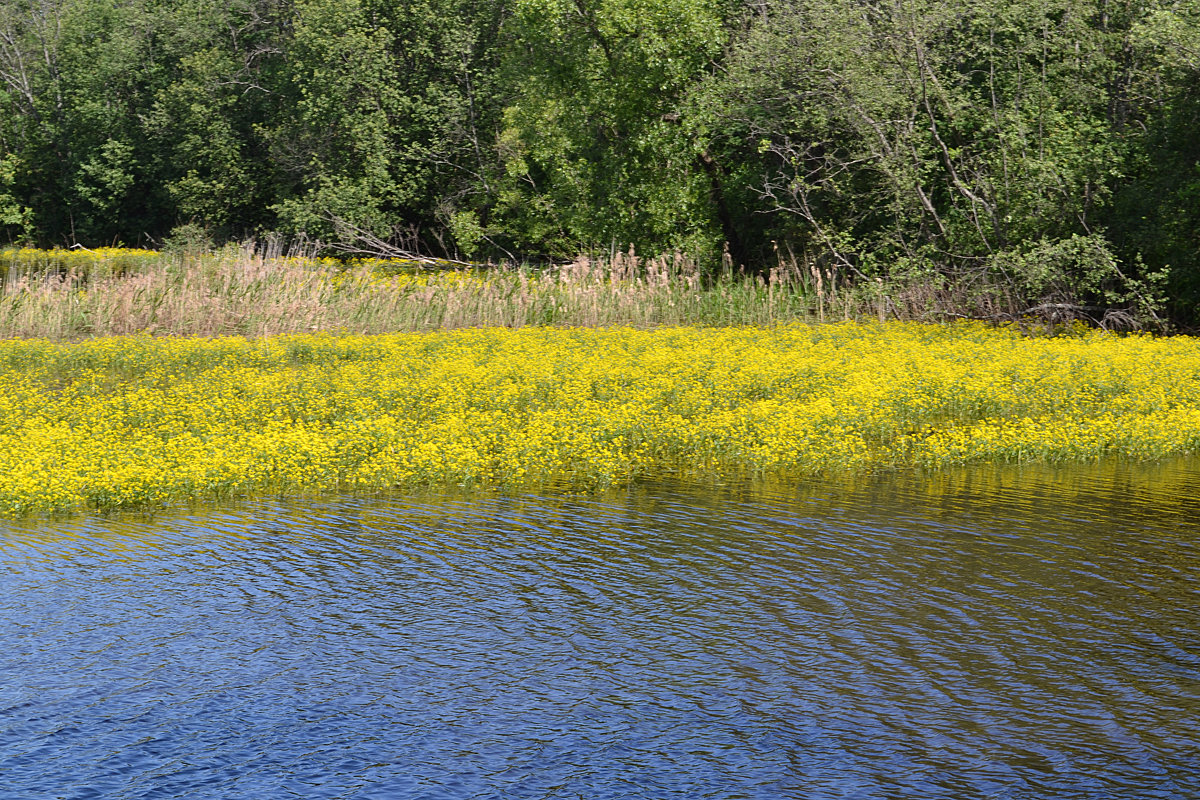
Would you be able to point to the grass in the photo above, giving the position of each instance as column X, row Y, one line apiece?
column 68, row 295
column 142, row 421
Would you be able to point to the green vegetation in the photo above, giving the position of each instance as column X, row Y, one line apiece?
column 143, row 421
column 990, row 158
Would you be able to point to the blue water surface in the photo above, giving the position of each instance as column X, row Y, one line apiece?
column 995, row 632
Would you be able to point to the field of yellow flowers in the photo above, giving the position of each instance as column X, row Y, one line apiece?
column 121, row 422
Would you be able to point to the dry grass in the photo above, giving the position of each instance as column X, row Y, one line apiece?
column 246, row 292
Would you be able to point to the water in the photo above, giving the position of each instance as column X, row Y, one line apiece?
column 1004, row 633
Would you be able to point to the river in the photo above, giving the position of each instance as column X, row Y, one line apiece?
column 996, row 632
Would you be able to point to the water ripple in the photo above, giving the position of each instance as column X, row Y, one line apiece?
column 992, row 632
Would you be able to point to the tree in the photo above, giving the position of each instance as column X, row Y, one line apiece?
column 1156, row 213
column 68, row 78
column 394, row 107
column 941, row 138
column 592, row 144
column 221, row 79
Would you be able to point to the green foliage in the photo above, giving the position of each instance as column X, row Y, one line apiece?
column 1157, row 207
column 394, row 107
column 975, row 137
column 467, row 232
column 592, row 145
column 188, row 240
column 964, row 141
column 1059, row 274
column 13, row 216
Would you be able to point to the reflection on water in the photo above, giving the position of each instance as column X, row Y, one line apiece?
column 1017, row 633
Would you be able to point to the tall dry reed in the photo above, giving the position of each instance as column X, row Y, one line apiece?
column 248, row 292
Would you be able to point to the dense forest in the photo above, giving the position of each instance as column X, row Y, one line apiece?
column 1042, row 151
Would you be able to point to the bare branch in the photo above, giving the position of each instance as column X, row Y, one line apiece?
column 358, row 241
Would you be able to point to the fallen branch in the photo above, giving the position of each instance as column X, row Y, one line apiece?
column 355, row 240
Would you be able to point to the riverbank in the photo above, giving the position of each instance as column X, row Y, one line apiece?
column 127, row 422
column 243, row 291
